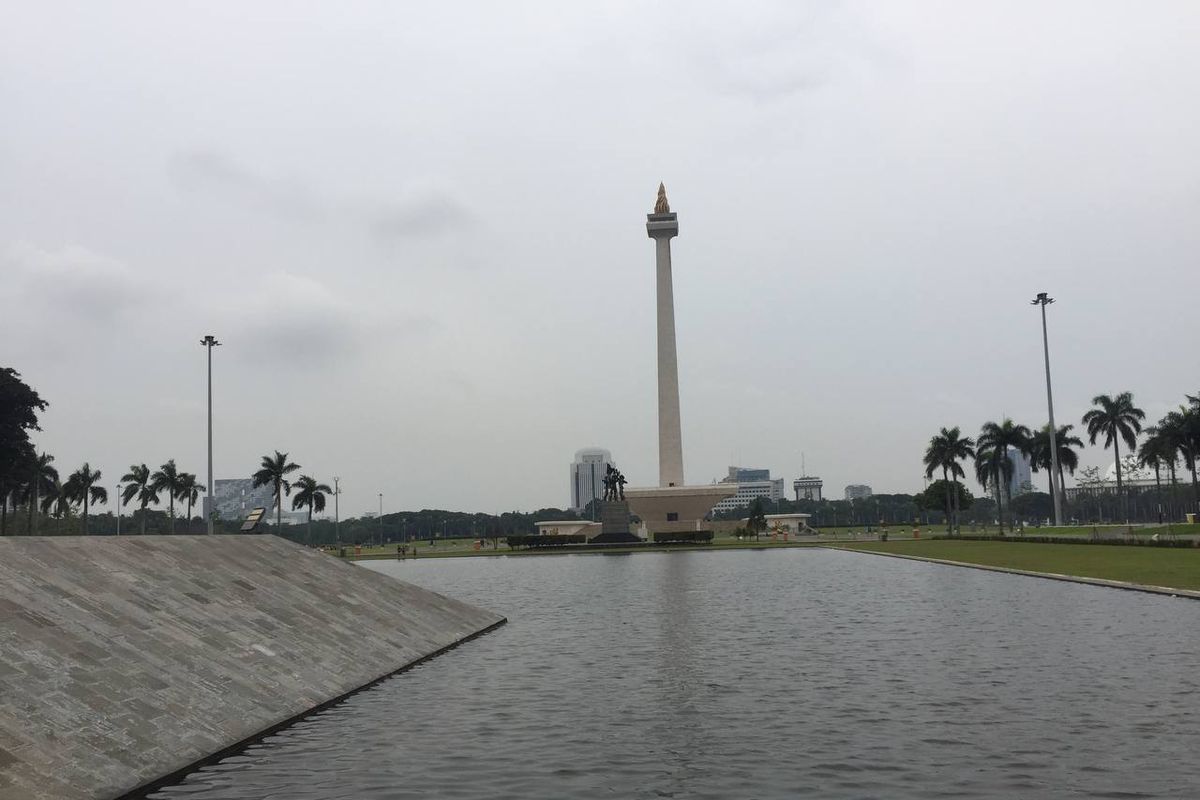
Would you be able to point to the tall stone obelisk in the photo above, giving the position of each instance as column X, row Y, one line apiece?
column 662, row 226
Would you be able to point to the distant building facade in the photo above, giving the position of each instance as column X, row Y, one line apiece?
column 858, row 491
column 752, row 484
column 235, row 497
column 807, row 488
column 587, row 476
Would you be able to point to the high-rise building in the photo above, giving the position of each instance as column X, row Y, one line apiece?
column 858, row 491
column 1022, row 474
column 807, row 487
column 587, row 476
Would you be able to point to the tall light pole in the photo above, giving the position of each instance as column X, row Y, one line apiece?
column 337, row 536
column 1056, row 488
column 118, row 499
column 381, row 519
column 209, row 342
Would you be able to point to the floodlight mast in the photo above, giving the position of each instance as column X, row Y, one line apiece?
column 209, row 342
column 1056, row 488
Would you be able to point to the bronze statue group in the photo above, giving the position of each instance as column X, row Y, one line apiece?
column 614, row 484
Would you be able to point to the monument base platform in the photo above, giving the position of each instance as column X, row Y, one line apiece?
column 671, row 509
column 614, row 524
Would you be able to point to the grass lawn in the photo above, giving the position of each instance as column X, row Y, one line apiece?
column 1156, row 566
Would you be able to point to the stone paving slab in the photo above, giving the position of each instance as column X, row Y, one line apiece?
column 124, row 659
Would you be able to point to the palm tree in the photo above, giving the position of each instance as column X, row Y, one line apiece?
column 1118, row 419
column 170, row 480
column 1157, row 450
column 1068, row 459
column 997, row 439
column 40, row 482
column 1182, row 429
column 944, row 452
column 82, row 488
column 312, row 494
column 274, row 472
column 138, row 485
column 190, row 491
column 991, row 468
column 55, row 500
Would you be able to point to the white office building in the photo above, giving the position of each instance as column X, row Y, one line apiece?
column 750, row 490
column 587, row 476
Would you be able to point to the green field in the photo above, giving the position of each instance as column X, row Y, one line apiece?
column 1176, row 568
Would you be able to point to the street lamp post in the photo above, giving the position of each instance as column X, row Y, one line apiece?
column 381, row 519
column 118, row 504
column 1056, row 487
column 209, row 342
column 337, row 537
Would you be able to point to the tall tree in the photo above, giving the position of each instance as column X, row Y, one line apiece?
column 55, row 499
column 190, row 491
column 998, row 439
column 1182, row 428
column 757, row 523
column 1067, row 444
column 169, row 479
column 1117, row 419
column 84, row 487
column 273, row 473
column 1156, row 451
column 41, row 481
column 944, row 452
column 19, row 407
column 312, row 494
column 138, row 485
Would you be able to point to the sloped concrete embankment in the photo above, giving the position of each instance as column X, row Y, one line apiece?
column 123, row 660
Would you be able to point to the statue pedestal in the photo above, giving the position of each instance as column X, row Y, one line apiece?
column 614, row 523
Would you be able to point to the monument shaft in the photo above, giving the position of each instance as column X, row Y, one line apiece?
column 662, row 227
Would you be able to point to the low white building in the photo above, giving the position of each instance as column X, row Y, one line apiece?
column 568, row 527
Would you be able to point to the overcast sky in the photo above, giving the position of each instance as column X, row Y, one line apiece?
column 419, row 231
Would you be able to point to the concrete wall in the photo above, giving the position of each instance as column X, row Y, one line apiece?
column 125, row 659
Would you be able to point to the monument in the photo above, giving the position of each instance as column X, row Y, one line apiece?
column 672, row 505
column 614, row 511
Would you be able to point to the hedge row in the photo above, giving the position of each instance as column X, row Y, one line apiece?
column 1129, row 542
column 547, row 540
column 684, row 536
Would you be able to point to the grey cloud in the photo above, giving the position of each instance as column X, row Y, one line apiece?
column 297, row 320
column 215, row 173
column 416, row 213
column 69, row 282
column 427, row 215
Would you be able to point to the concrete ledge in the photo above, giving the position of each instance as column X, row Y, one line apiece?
column 127, row 660
column 1054, row 576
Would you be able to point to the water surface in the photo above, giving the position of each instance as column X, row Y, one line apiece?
column 760, row 674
